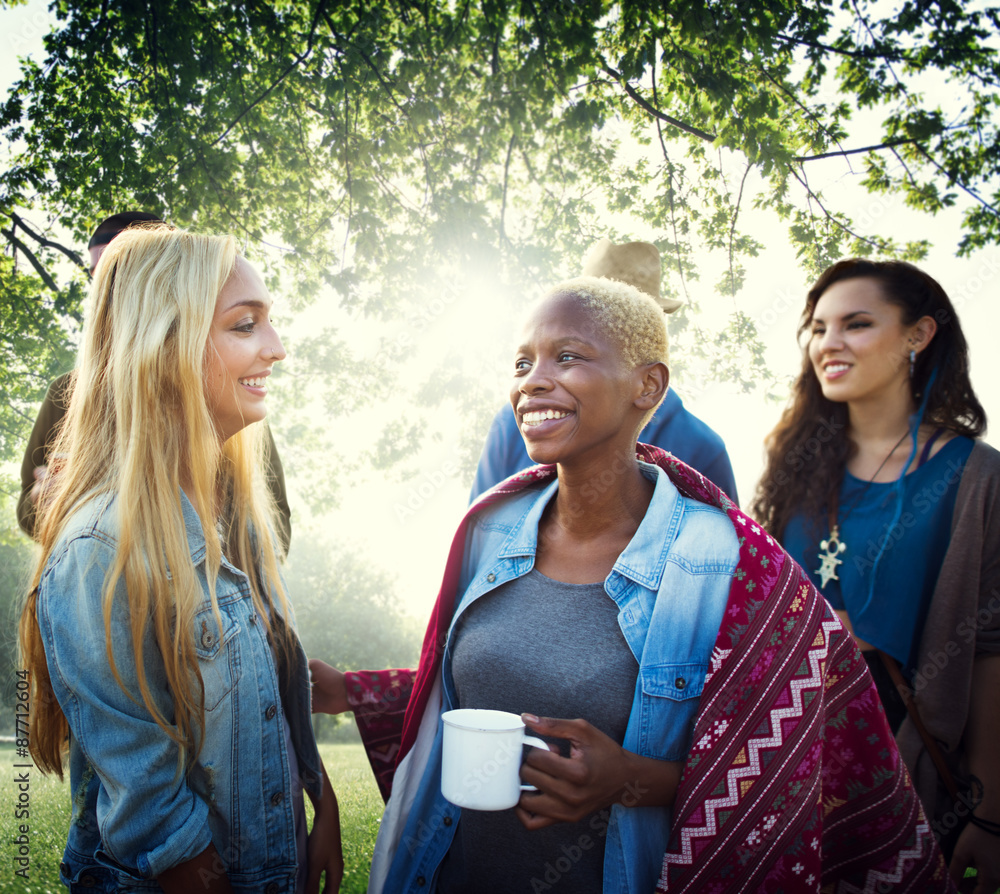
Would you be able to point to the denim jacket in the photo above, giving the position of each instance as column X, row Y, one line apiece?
column 134, row 815
column 671, row 585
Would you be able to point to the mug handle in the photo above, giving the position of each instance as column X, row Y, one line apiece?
column 537, row 743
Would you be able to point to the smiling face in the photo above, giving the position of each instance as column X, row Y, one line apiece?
column 242, row 348
column 859, row 345
column 573, row 395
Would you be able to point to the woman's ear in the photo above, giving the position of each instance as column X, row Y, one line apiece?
column 653, row 381
column 922, row 333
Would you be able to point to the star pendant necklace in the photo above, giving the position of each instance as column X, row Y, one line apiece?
column 831, row 548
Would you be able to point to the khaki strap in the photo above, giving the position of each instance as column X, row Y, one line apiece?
column 933, row 749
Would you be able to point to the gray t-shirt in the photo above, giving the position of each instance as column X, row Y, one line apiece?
column 553, row 649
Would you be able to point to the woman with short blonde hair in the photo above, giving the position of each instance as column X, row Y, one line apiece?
column 700, row 700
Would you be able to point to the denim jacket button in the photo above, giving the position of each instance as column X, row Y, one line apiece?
column 270, row 712
column 680, row 683
column 271, row 888
column 421, row 881
column 87, row 880
column 207, row 638
column 447, row 820
column 491, row 577
column 253, row 617
column 277, row 798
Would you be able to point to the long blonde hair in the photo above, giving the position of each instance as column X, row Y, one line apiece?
column 138, row 421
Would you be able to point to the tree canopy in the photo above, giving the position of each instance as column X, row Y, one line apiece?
column 376, row 149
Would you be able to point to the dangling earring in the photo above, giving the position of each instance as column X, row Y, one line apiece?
column 913, row 361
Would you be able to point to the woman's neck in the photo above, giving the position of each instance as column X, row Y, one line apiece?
column 881, row 432
column 596, row 500
column 876, row 423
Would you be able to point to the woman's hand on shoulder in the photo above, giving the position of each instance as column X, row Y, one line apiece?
column 329, row 688
column 597, row 773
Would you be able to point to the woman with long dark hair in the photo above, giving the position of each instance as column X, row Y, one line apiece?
column 877, row 484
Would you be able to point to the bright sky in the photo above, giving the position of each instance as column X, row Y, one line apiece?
column 405, row 526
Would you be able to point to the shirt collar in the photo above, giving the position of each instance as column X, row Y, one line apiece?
column 193, row 529
column 644, row 558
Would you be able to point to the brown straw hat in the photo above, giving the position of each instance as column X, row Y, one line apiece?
column 635, row 263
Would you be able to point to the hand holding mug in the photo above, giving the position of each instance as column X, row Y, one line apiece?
column 597, row 773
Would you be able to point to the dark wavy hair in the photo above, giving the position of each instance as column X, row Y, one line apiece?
column 808, row 450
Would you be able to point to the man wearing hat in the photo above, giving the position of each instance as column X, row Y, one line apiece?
column 672, row 427
column 35, row 466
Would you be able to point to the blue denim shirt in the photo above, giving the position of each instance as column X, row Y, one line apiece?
column 671, row 585
column 134, row 815
column 673, row 427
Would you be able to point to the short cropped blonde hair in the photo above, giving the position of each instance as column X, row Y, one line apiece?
column 631, row 318
column 628, row 316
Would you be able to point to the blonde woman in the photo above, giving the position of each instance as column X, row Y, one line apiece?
column 157, row 631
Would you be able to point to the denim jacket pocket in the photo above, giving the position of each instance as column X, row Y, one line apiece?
column 218, row 655
column 670, row 696
column 676, row 681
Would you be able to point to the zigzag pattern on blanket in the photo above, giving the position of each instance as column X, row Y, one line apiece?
column 770, row 799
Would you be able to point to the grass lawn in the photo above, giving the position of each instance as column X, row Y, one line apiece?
column 360, row 811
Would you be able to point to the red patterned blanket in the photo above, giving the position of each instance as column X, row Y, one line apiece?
column 793, row 783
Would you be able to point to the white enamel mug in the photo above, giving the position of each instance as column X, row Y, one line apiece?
column 481, row 758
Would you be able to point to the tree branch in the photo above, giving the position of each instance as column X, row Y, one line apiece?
column 295, row 63
column 47, row 243
column 806, row 110
column 670, row 191
column 844, row 152
column 506, row 175
column 854, row 54
column 387, row 89
column 39, row 269
column 656, row 113
column 955, row 180
column 732, row 237
column 812, row 196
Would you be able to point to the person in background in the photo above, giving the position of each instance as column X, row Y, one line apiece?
column 672, row 427
column 35, row 478
column 157, row 636
column 715, row 726
column 878, row 486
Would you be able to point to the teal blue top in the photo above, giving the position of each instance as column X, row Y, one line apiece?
column 911, row 551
